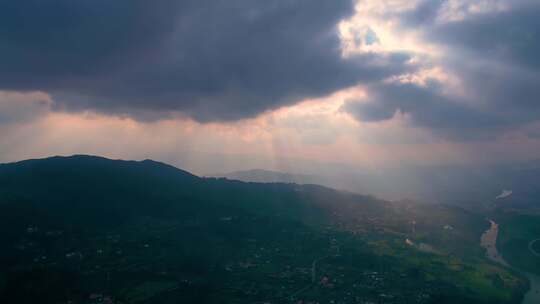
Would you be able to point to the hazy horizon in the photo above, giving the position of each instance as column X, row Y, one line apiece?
column 367, row 84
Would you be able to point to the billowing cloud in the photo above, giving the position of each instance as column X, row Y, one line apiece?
column 427, row 106
column 373, row 83
column 209, row 60
column 511, row 36
column 489, row 48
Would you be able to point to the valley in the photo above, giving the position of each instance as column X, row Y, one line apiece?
column 91, row 230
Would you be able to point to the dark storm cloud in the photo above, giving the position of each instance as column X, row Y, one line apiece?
column 427, row 107
column 211, row 60
column 59, row 43
column 511, row 37
column 495, row 57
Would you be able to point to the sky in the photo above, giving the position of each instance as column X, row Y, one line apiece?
column 293, row 85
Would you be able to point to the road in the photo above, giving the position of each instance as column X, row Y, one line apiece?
column 313, row 277
column 314, row 269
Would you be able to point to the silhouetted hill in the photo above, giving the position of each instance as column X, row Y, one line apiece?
column 86, row 190
column 73, row 228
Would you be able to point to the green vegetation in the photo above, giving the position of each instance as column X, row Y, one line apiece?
column 515, row 235
column 90, row 230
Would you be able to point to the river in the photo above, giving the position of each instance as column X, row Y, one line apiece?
column 489, row 242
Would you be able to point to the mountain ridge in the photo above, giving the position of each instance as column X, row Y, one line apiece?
column 77, row 226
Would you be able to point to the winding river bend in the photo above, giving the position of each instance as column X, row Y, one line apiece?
column 489, row 242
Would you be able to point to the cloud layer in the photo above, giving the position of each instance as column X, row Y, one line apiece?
column 209, row 60
column 490, row 49
column 460, row 70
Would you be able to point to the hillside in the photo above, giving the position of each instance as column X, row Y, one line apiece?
column 81, row 229
column 268, row 176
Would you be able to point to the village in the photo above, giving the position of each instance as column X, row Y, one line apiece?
column 321, row 270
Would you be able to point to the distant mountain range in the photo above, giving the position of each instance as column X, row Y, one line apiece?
column 471, row 187
column 268, row 176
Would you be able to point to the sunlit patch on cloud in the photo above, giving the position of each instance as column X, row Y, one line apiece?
column 458, row 10
column 375, row 27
